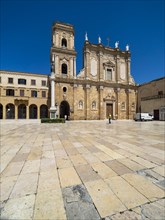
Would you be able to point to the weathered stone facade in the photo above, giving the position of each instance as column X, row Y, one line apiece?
column 103, row 86
column 151, row 98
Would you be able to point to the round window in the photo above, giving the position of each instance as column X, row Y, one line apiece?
column 64, row 89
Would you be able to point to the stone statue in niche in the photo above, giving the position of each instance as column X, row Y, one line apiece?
column 117, row 44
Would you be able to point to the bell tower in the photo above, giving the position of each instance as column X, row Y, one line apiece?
column 63, row 54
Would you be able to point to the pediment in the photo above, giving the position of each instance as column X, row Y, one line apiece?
column 109, row 63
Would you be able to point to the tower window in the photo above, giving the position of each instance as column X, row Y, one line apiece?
column 109, row 74
column 64, row 68
column 64, row 42
column 64, row 89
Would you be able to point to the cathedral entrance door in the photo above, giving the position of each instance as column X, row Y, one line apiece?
column 64, row 109
column 109, row 109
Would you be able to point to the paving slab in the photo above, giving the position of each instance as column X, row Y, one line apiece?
column 144, row 186
column 118, row 167
column 86, row 173
column 78, row 204
column 19, row 208
column 104, row 199
column 49, row 205
column 68, row 177
column 78, row 160
column 129, row 196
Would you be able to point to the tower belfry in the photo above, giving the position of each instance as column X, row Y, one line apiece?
column 63, row 50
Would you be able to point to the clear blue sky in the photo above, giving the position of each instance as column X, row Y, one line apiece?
column 26, row 32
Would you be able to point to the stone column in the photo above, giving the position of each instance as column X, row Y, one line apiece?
column 4, row 112
column 128, row 64
column 56, row 64
column 74, row 67
column 71, row 67
column 74, row 100
column 16, row 111
column 100, row 75
column 38, row 112
column 53, row 109
column 117, row 68
column 86, row 63
column 127, row 103
column 87, row 102
column 27, row 112
column 117, row 90
column 101, row 107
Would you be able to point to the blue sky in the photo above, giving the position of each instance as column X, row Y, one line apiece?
column 26, row 32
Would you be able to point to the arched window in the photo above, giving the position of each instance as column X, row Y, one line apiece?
column 64, row 42
column 123, row 106
column 94, row 105
column 64, row 68
column 80, row 104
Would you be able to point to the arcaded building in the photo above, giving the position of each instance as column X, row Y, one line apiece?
column 103, row 86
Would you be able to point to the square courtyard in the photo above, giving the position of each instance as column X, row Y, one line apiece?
column 82, row 170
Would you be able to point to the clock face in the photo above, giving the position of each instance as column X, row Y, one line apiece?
column 93, row 67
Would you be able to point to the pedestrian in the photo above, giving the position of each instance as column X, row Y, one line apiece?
column 109, row 117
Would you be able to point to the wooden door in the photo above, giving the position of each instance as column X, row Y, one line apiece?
column 109, row 110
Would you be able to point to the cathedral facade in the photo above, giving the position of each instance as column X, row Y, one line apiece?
column 103, row 86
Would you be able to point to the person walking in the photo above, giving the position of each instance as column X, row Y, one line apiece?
column 109, row 117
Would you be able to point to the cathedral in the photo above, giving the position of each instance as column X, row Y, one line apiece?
column 103, row 86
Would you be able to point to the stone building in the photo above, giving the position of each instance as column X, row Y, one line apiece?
column 151, row 98
column 103, row 86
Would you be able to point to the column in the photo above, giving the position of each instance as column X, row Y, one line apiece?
column 101, row 107
column 56, row 64
column 100, row 75
column 16, row 111
column 53, row 109
column 128, row 63
column 74, row 100
column 71, row 67
column 86, row 63
column 74, row 67
column 38, row 112
column 4, row 112
column 87, row 107
column 27, row 112
column 127, row 103
column 117, row 90
column 117, row 68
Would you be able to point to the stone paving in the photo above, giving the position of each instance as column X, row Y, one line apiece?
column 82, row 170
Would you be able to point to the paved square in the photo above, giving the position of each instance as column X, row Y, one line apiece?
column 82, row 170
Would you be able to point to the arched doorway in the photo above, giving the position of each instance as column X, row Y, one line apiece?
column 43, row 111
column 10, row 111
column 64, row 109
column 1, row 111
column 33, row 111
column 22, row 111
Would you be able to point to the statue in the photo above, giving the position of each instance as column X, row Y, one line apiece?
column 117, row 44
column 99, row 40
column 127, row 47
column 52, row 68
column 86, row 37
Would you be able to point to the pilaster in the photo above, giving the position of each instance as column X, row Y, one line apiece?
column 16, row 111
column 101, row 107
column 87, row 101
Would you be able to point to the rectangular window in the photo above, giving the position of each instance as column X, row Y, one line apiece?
column 109, row 74
column 9, row 92
column 21, row 93
column 43, row 94
column 43, row 83
column 34, row 93
column 33, row 82
column 10, row 80
column 160, row 93
column 22, row 81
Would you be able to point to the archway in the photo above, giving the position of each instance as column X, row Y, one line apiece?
column 1, row 111
column 64, row 109
column 10, row 111
column 22, row 111
column 43, row 111
column 33, row 111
